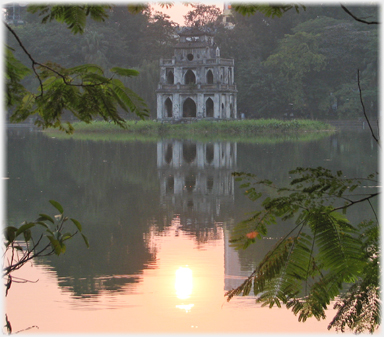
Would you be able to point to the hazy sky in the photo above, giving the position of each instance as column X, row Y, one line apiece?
column 177, row 11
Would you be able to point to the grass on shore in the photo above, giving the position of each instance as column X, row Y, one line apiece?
column 221, row 130
column 262, row 138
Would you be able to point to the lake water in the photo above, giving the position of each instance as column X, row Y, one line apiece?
column 158, row 217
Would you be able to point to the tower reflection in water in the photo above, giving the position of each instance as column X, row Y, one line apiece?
column 196, row 180
column 197, row 194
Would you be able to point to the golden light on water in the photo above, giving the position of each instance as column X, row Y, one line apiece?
column 186, row 307
column 183, row 283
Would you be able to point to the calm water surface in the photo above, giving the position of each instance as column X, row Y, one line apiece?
column 158, row 218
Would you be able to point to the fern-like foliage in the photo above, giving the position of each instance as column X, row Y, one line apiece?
column 359, row 307
column 272, row 11
column 310, row 266
column 74, row 16
column 15, row 71
column 85, row 91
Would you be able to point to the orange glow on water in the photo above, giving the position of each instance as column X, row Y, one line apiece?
column 183, row 283
column 201, row 306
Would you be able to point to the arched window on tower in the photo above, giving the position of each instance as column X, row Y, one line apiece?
column 170, row 77
column 168, row 107
column 189, row 77
column 209, row 77
column 189, row 108
column 209, row 107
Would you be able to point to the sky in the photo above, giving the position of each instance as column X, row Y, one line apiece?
column 177, row 11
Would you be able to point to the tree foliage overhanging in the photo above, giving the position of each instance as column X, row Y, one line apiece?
column 56, row 71
column 324, row 256
column 317, row 80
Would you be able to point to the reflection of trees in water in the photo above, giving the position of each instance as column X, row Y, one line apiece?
column 76, row 173
column 202, row 233
column 354, row 154
column 116, row 248
column 88, row 287
column 104, row 186
column 99, row 184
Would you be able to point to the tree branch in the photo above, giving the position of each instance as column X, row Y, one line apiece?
column 356, row 202
column 373, row 210
column 358, row 19
column 28, row 54
column 35, row 63
column 362, row 104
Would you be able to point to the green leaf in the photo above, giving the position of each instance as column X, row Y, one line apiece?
column 49, row 231
column 86, row 69
column 125, row 71
column 85, row 240
column 10, row 233
column 268, row 10
column 44, row 217
column 27, row 235
column 55, row 244
column 57, row 206
column 66, row 236
column 24, row 228
column 339, row 216
column 77, row 224
column 41, row 224
column 136, row 8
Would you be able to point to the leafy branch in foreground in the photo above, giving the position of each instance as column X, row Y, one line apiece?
column 25, row 243
column 268, row 10
column 359, row 307
column 323, row 253
column 277, row 10
column 85, row 90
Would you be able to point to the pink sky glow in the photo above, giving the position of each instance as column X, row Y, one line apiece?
column 177, row 11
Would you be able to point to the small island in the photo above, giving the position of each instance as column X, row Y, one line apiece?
column 252, row 130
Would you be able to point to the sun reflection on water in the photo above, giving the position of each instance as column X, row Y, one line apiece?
column 183, row 286
column 186, row 307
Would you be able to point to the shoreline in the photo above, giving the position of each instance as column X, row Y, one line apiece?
column 249, row 131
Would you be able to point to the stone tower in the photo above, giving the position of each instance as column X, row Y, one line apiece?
column 196, row 83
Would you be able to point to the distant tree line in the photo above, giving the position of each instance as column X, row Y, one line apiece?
column 305, row 62
column 299, row 65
